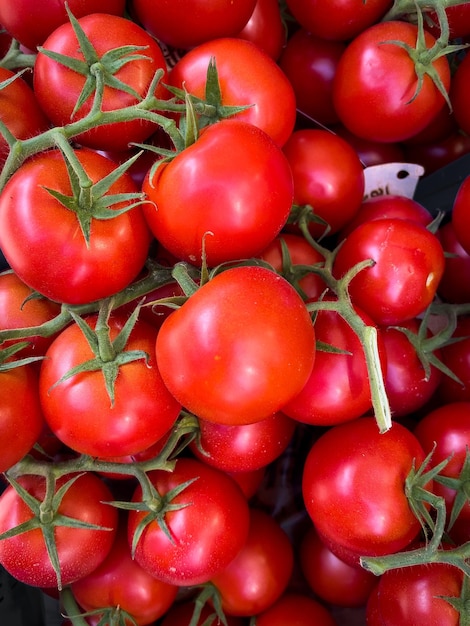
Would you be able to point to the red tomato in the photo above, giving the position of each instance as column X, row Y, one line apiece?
column 459, row 95
column 181, row 613
column 232, row 187
column 229, row 372
column 354, row 488
column 343, row 20
column 456, row 356
column 21, row 422
column 458, row 18
column 31, row 23
column 338, row 388
column 455, row 283
column 203, row 536
column 80, row 550
column 373, row 152
column 19, row 111
column 432, row 156
column 260, row 572
column 408, row 265
column 376, row 70
column 266, row 28
column 120, row 582
column 460, row 214
column 243, row 447
column 265, row 87
column 106, row 32
column 18, row 309
column 143, row 409
column 328, row 175
column 295, row 609
column 249, row 482
column 416, row 595
column 332, row 580
column 188, row 23
column 310, row 62
column 47, row 249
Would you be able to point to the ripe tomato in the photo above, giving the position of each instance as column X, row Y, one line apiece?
column 181, row 614
column 456, row 356
column 266, row 28
column 295, row 609
column 31, row 23
column 119, row 581
column 229, row 372
column 374, row 69
column 460, row 214
column 143, row 409
column 354, row 488
column 233, row 184
column 80, row 550
column 337, row 20
column 244, row 447
column 328, row 175
column 459, row 93
column 203, row 536
column 106, row 32
column 408, row 265
column 188, row 23
column 47, row 249
column 19, row 111
column 455, row 284
column 260, row 572
column 21, row 423
column 265, row 87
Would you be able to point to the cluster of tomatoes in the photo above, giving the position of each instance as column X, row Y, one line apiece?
column 234, row 389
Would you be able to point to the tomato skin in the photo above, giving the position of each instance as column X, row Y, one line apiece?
column 206, row 535
column 328, row 175
column 260, row 572
column 120, row 581
column 456, row 356
column 31, row 23
column 189, row 23
column 455, row 284
column 416, row 595
column 51, row 77
column 46, row 248
column 265, row 28
column 80, row 550
column 369, row 514
column 332, row 580
column 21, row 423
column 265, row 86
column 295, row 609
column 459, row 94
column 460, row 213
column 416, row 256
column 181, row 613
column 233, row 320
column 383, row 74
column 133, row 423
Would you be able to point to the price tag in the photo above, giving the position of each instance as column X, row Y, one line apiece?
column 393, row 179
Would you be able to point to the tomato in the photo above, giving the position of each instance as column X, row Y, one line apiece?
column 408, row 265
column 295, row 609
column 19, row 111
column 354, row 488
column 372, row 152
column 181, row 613
column 434, row 155
column 19, row 308
column 233, row 188
column 21, row 423
column 228, row 373
column 265, row 88
column 335, row 20
column 456, row 356
column 120, row 582
column 31, row 23
column 332, row 580
column 52, row 77
column 459, row 217
column 260, row 572
column 459, row 94
column 266, row 28
column 458, row 18
column 328, row 175
column 388, row 206
column 47, row 249
column 133, row 422
column 188, row 23
column 408, row 389
column 294, row 263
column 243, row 447
column 455, row 285
column 203, row 536
column 80, row 550
column 416, row 595
column 338, row 388
column 376, row 70
column 310, row 62
column 250, row 481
